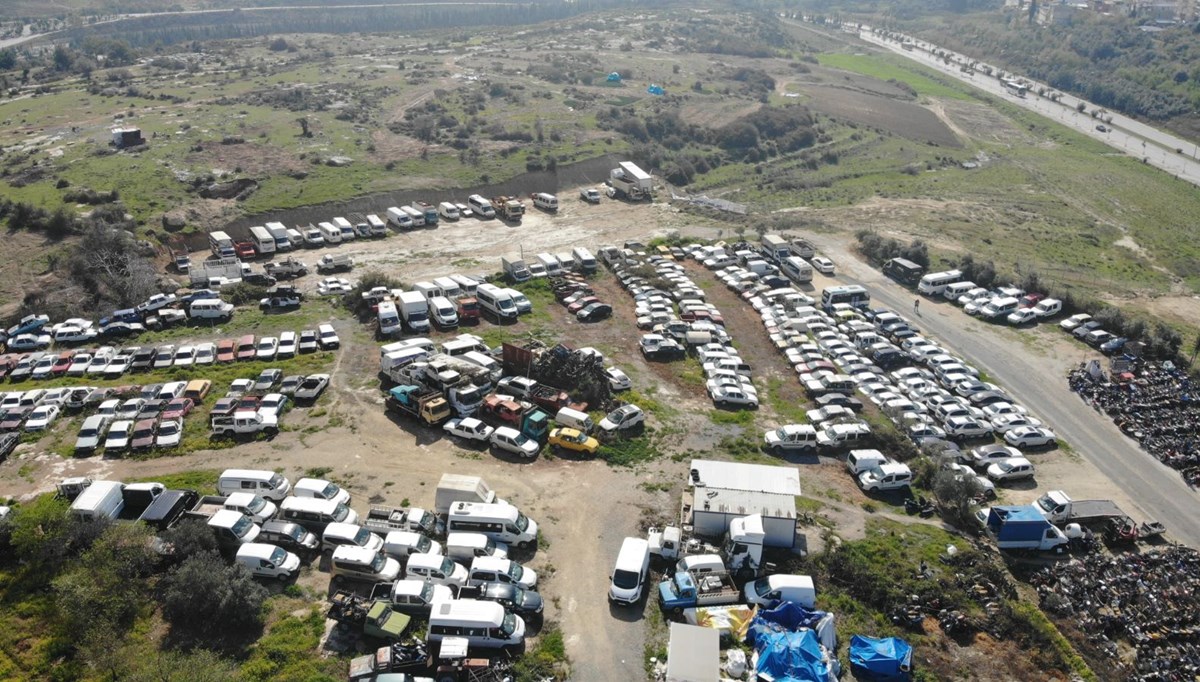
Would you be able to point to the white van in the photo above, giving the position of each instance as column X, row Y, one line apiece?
column 502, row 522
column 953, row 291
column 443, row 313
column 459, row 346
column 550, row 262
column 315, row 514
column 481, row 623
column 467, row 285
column 389, row 317
column 427, row 289
column 859, row 461
column 467, row 546
column 490, row 569
column 935, row 283
column 481, row 207
column 584, row 260
column 545, row 201
column 330, row 233
column 435, row 568
column 210, row 309
column 485, row 361
column 772, row 590
column 360, row 563
column 629, row 575
column 448, row 211
column 399, row 218
column 268, row 561
column 100, row 500
column 268, row 484
column 496, row 301
column 339, row 534
column 404, row 543
column 575, row 419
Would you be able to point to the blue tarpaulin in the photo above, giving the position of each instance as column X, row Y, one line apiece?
column 792, row 657
column 880, row 660
column 656, row 90
column 786, row 617
column 614, row 77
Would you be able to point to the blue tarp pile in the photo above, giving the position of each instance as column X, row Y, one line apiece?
column 656, row 90
column 880, row 660
column 793, row 644
column 614, row 77
column 792, row 657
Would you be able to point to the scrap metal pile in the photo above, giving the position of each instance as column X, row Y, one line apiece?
column 1148, row 602
column 1153, row 404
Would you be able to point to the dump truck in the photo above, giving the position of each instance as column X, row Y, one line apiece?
column 509, row 208
column 631, row 182
column 415, row 401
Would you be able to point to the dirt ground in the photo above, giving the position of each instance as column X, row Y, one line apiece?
column 585, row 507
column 903, row 118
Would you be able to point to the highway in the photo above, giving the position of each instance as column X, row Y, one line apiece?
column 1158, row 490
column 1141, row 141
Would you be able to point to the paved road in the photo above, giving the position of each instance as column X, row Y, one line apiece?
column 1135, row 138
column 1158, row 490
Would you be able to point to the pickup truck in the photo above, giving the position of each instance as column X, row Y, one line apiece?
column 394, row 658
column 333, row 263
column 244, row 422
column 384, row 520
column 376, row 618
column 1059, row 508
column 414, row 597
column 288, row 267
column 279, row 302
column 686, row 590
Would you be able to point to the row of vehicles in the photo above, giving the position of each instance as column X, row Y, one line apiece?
column 578, row 260
column 1002, row 304
column 1091, row 332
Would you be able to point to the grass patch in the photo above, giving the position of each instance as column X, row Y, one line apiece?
column 788, row 411
column 739, row 417
column 886, row 67
column 288, row 652
column 630, row 451
column 655, row 487
column 547, row 660
column 203, row 481
column 648, row 404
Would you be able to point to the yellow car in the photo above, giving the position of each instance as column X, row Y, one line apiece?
column 573, row 439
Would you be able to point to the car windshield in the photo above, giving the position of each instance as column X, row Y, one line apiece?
column 1005, row 467
column 87, row 433
column 340, row 512
column 256, row 504
column 362, row 537
column 625, row 580
column 427, row 592
column 330, row 491
column 378, row 563
column 278, row 556
column 522, row 522
column 762, row 586
column 509, row 625
column 447, row 567
column 242, row 526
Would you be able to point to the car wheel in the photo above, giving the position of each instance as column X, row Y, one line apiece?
column 722, row 403
column 777, row 451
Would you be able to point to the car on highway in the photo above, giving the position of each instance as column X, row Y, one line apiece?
column 1030, row 436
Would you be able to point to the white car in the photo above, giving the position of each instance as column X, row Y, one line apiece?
column 966, row 427
column 1012, row 469
column 206, row 353
column 41, row 417
column 727, row 396
column 287, row 345
column 100, row 360
column 266, row 349
column 130, row 408
column 327, row 338
column 164, row 357
column 965, row 473
column 822, row 265
column 1006, row 422
column 1030, row 436
column 79, row 364
column 25, row 342
column 1001, row 408
column 41, row 369
column 1022, row 316
column 312, row 386
column 617, row 380
column 170, row 432
column 273, row 404
column 1074, row 321
column 790, row 438
column 185, row 356
column 119, row 365
column 118, row 435
column 469, row 428
column 155, row 302
column 511, row 440
column 622, row 418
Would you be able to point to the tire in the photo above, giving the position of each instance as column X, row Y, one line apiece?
column 723, row 403
column 777, row 451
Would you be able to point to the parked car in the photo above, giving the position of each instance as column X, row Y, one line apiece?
column 1012, row 469
column 594, row 312
column 267, row 348
column 469, row 428
column 170, row 432
column 617, row 380
column 312, row 386
column 986, row 455
column 1030, row 436
column 623, row 418
column 226, row 350
column 726, row 396
column 574, row 440
column 41, row 418
column 510, row 440
column 822, row 265
column 308, row 341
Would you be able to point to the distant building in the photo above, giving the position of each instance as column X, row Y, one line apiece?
column 127, row 137
column 1058, row 13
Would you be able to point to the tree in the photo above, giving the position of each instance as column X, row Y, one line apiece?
column 63, row 58
column 106, row 587
column 189, row 538
column 205, row 599
column 199, row 665
column 1195, row 351
column 8, row 59
column 41, row 535
column 956, row 494
column 304, row 129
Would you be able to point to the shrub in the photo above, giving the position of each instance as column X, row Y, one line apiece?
column 208, row 600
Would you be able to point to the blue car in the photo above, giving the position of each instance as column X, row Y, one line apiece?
column 1113, row 345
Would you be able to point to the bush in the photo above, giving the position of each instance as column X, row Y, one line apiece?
column 207, row 600
column 243, row 293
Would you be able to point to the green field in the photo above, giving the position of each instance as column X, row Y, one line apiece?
column 885, row 68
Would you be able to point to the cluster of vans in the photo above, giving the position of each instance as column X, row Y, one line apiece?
column 1004, row 303
column 445, row 302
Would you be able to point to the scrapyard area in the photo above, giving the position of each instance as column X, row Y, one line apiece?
column 572, row 425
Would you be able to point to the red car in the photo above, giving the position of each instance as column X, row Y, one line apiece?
column 249, row 402
column 245, row 347
column 581, row 304
column 143, row 434
column 7, row 362
column 63, row 363
column 226, row 350
column 177, row 409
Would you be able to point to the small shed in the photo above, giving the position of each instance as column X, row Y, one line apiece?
column 694, row 654
column 714, row 508
column 127, row 137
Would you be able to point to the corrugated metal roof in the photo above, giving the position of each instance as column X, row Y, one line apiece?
column 745, row 503
column 750, row 477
